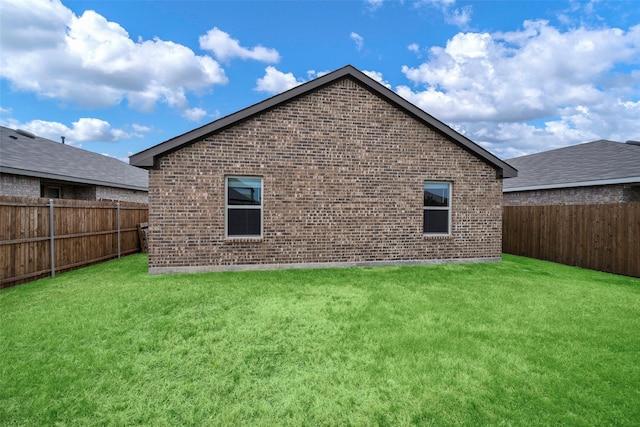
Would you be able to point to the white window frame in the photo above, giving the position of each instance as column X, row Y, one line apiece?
column 227, row 206
column 439, row 208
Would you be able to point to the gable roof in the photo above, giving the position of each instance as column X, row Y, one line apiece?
column 22, row 153
column 594, row 163
column 148, row 158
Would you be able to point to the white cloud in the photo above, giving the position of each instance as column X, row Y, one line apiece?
column 377, row 76
column 358, row 39
column 414, row 47
column 485, row 83
column 83, row 130
column 312, row 74
column 141, row 128
column 89, row 60
column 275, row 81
column 610, row 119
column 194, row 114
column 30, row 25
column 50, row 130
column 460, row 17
column 225, row 48
column 90, row 129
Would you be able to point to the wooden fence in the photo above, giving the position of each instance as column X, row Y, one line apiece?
column 599, row 237
column 42, row 237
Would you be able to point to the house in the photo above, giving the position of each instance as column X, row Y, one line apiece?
column 591, row 173
column 339, row 171
column 31, row 166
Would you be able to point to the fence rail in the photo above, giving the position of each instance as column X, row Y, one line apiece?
column 42, row 237
column 602, row 237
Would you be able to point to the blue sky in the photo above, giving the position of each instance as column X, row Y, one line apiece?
column 517, row 77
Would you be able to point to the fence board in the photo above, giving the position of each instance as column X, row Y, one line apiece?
column 603, row 237
column 85, row 232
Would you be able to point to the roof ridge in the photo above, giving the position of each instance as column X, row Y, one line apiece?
column 580, row 144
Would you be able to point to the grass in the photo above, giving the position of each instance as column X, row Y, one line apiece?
column 522, row 342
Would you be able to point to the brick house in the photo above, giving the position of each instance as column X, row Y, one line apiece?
column 596, row 172
column 32, row 166
column 339, row 171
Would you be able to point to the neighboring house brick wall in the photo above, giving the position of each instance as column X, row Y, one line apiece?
column 27, row 186
column 121, row 194
column 17, row 185
column 620, row 193
column 78, row 192
column 631, row 193
column 343, row 175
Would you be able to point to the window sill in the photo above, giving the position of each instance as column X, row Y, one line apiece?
column 243, row 239
column 437, row 236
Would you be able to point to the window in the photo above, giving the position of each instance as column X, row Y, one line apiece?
column 437, row 208
column 243, row 206
column 49, row 192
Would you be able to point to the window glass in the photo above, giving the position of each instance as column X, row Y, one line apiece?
column 436, row 194
column 436, row 221
column 50, row 192
column 244, row 191
column 243, row 207
column 244, row 222
column 437, row 208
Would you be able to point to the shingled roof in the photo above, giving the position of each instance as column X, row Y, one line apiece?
column 148, row 158
column 593, row 163
column 25, row 154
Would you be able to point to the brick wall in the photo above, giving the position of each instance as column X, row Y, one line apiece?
column 21, row 186
column 76, row 192
column 121, row 194
column 26, row 186
column 620, row 193
column 343, row 175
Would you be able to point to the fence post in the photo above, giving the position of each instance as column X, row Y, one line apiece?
column 118, row 220
column 52, row 245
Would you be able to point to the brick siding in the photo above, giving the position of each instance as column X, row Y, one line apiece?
column 27, row 186
column 620, row 193
column 121, row 194
column 20, row 186
column 343, row 175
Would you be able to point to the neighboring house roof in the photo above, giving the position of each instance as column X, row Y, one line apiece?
column 593, row 163
column 22, row 153
column 148, row 158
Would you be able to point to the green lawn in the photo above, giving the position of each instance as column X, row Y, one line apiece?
column 522, row 342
